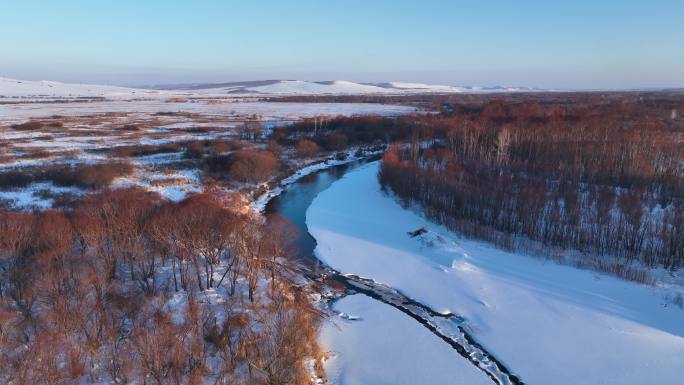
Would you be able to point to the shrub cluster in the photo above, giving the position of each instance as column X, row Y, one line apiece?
column 91, row 176
column 244, row 165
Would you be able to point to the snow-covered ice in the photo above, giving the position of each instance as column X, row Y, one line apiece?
column 548, row 323
column 385, row 346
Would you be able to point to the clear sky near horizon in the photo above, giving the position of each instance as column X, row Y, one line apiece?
column 552, row 44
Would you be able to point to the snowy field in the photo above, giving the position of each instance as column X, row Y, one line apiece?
column 14, row 113
column 386, row 346
column 96, row 132
column 548, row 323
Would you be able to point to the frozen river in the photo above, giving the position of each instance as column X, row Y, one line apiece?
column 548, row 323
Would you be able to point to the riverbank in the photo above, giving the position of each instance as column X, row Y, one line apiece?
column 352, row 155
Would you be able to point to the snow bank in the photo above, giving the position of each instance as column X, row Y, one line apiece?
column 548, row 323
column 373, row 343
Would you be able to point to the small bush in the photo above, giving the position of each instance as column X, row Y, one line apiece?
column 336, row 141
column 36, row 153
column 31, row 125
column 222, row 146
column 243, row 165
column 253, row 166
column 274, row 147
column 198, row 130
column 194, row 150
column 306, row 148
column 129, row 127
column 91, row 176
column 145, row 150
column 14, row 179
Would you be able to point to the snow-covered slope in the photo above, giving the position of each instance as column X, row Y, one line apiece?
column 337, row 87
column 418, row 87
column 42, row 89
column 548, row 323
column 303, row 87
column 47, row 90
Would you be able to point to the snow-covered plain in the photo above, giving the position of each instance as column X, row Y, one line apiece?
column 16, row 113
column 85, row 129
column 371, row 350
column 548, row 323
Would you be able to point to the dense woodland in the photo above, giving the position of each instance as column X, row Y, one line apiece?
column 600, row 175
column 126, row 288
column 334, row 134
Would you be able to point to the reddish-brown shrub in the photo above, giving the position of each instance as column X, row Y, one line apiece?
column 274, row 147
column 306, row 148
column 129, row 127
column 144, row 150
column 28, row 126
column 253, row 166
column 88, row 175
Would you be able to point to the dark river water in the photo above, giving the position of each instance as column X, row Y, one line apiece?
column 296, row 199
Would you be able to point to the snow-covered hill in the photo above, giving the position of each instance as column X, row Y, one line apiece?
column 336, row 87
column 44, row 89
column 47, row 90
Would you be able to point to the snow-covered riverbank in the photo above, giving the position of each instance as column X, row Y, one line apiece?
column 548, row 323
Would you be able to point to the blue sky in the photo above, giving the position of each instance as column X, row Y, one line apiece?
column 552, row 44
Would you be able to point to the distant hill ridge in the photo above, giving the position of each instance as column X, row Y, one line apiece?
column 13, row 88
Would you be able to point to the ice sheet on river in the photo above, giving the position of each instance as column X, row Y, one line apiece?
column 548, row 323
column 386, row 346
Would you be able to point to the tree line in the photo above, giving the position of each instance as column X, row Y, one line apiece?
column 604, row 179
